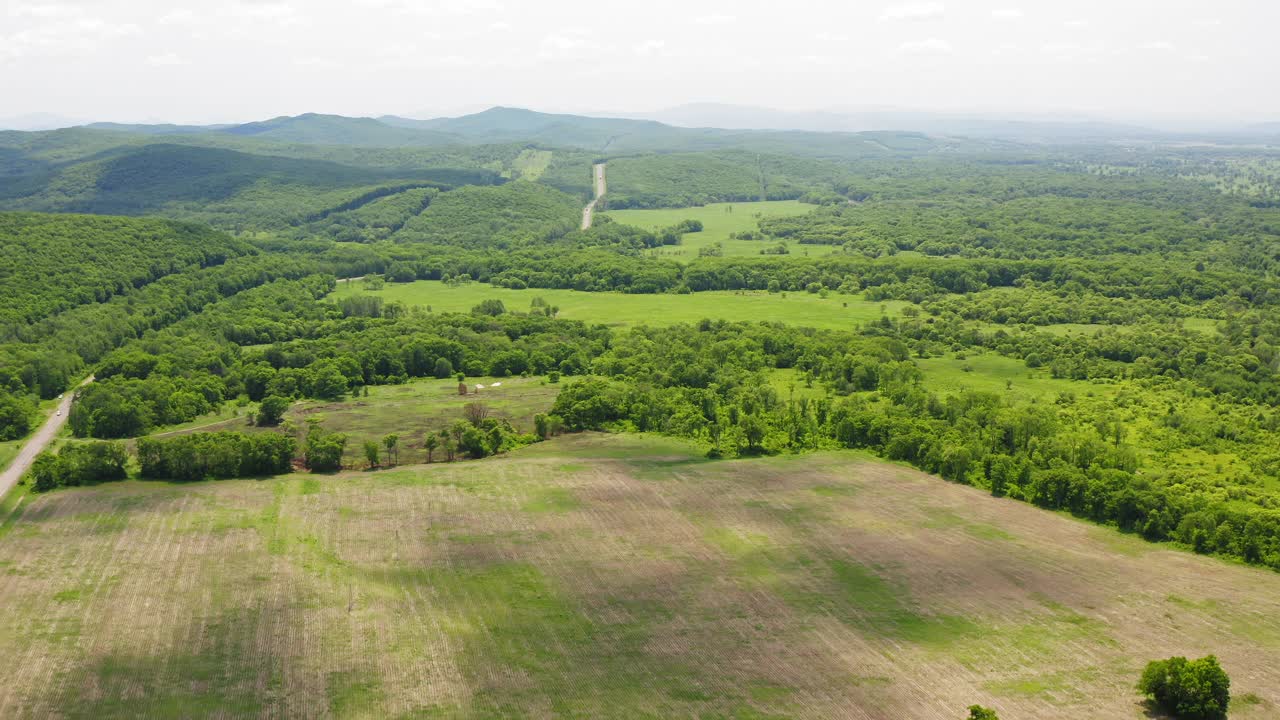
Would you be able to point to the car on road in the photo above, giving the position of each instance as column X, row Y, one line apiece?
column 59, row 413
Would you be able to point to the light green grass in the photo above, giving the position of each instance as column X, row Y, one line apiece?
column 718, row 223
column 1202, row 325
column 411, row 410
column 794, row 308
column 948, row 375
column 530, row 164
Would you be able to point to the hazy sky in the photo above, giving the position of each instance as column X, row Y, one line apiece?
column 237, row 60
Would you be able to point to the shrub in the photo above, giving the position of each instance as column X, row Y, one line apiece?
column 323, row 452
column 1188, row 689
column 978, row 712
column 444, row 368
column 489, row 307
column 272, row 410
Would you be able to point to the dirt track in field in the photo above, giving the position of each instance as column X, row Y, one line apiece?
column 608, row 579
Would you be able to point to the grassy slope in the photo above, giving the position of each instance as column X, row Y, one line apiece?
column 603, row 576
column 717, row 223
column 622, row 309
column 411, row 410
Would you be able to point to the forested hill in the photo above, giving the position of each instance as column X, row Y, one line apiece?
column 514, row 125
column 227, row 188
column 50, row 263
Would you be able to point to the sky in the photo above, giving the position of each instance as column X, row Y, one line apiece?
column 239, row 60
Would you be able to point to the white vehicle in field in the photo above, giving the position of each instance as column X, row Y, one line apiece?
column 59, row 413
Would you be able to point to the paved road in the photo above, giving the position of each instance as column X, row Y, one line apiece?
column 37, row 443
column 590, row 209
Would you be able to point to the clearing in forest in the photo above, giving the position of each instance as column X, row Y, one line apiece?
column 835, row 312
column 604, row 576
column 719, row 220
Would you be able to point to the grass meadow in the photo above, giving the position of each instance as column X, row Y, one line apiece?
column 621, row 309
column 600, row 576
column 719, row 220
column 412, row 410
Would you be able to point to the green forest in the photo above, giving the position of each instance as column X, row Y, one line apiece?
column 1090, row 330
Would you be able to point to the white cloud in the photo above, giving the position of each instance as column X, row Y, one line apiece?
column 43, row 11
column 272, row 11
column 500, row 26
column 1069, row 51
column 571, row 43
column 433, row 8
column 66, row 35
column 1076, row 23
column 816, row 60
column 716, row 19
column 315, row 62
column 927, row 46
column 913, row 11
column 1007, row 14
column 1198, row 58
column 1156, row 45
column 649, row 47
column 165, row 60
column 180, row 16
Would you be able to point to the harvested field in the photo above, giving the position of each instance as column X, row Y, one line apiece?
column 604, row 576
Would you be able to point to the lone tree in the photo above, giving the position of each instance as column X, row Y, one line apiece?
column 1188, row 689
column 977, row 712
column 371, row 453
column 392, row 444
column 272, row 410
column 444, row 368
column 323, row 449
column 431, row 442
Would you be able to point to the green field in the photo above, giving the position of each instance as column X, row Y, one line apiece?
column 989, row 372
column 603, row 577
column 411, row 410
column 795, row 308
column 718, row 221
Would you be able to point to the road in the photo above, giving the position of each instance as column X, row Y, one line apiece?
column 37, row 443
column 590, row 209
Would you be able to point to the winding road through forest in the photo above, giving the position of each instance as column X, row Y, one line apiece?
column 38, row 442
column 590, row 209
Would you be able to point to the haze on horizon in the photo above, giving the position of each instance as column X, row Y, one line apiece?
column 145, row 60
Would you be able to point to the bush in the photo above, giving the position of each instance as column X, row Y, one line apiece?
column 489, row 307
column 79, row 464
column 1188, row 689
column 444, row 368
column 978, row 712
column 272, row 410
column 324, row 449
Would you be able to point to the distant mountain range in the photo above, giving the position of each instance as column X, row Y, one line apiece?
column 1012, row 127
column 701, row 126
column 501, row 125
